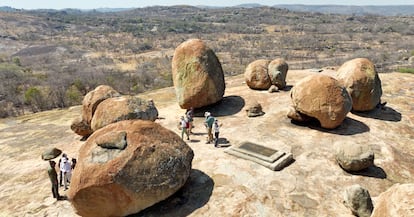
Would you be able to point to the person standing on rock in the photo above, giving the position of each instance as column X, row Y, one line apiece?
column 66, row 169
column 51, row 171
column 184, row 127
column 209, row 125
column 190, row 115
column 216, row 127
column 61, row 169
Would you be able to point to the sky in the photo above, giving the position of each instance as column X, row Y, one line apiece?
column 91, row 4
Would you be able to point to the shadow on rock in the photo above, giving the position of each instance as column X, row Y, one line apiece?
column 229, row 105
column 348, row 127
column 372, row 171
column 384, row 113
column 194, row 194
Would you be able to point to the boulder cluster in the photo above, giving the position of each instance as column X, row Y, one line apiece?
column 104, row 105
column 266, row 75
column 128, row 161
column 356, row 87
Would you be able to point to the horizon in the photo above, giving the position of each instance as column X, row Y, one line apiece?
column 96, row 4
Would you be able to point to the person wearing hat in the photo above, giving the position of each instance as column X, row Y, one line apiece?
column 51, row 171
column 209, row 125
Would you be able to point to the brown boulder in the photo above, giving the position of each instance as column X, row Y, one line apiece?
column 254, row 109
column 354, row 157
column 80, row 127
column 396, row 201
column 123, row 108
column 321, row 97
column 361, row 80
column 151, row 165
column 277, row 70
column 256, row 75
column 93, row 98
column 197, row 75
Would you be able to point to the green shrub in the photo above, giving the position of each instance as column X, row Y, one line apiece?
column 406, row 70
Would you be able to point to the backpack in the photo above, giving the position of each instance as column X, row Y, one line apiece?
column 187, row 124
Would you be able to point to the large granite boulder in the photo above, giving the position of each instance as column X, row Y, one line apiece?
column 81, row 127
column 93, row 98
column 197, row 75
column 123, row 108
column 354, row 157
column 256, row 75
column 126, row 167
column 321, row 97
column 362, row 82
column 277, row 70
column 396, row 201
column 358, row 200
column 262, row 74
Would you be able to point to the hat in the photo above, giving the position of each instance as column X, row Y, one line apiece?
column 206, row 114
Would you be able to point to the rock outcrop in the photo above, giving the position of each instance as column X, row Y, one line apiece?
column 358, row 200
column 82, row 125
column 254, row 109
column 123, row 108
column 361, row 80
column 396, row 201
column 197, row 75
column 354, row 157
column 262, row 74
column 126, row 167
column 321, row 97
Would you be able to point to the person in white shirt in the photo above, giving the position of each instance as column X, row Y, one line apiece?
column 216, row 128
column 66, row 169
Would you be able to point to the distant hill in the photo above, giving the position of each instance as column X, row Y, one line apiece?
column 391, row 10
column 7, row 9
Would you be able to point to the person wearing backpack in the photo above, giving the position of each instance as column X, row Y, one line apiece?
column 184, row 127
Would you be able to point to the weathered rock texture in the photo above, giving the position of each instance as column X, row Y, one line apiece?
column 278, row 69
column 128, row 166
column 354, row 157
column 254, row 109
column 82, row 125
column 257, row 76
column 321, row 97
column 197, row 75
column 396, row 201
column 361, row 80
column 123, row 108
column 262, row 74
column 358, row 200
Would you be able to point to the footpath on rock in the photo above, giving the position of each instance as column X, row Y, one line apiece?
column 221, row 184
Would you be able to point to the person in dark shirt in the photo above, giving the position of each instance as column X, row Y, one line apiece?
column 53, row 179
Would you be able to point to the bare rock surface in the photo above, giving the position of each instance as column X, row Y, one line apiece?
column 123, row 108
column 113, row 180
column 321, row 97
column 221, row 184
column 362, row 82
column 396, row 201
column 197, row 75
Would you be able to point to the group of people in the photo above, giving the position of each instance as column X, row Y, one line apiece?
column 210, row 122
column 65, row 174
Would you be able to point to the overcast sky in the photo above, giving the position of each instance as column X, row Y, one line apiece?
column 90, row 4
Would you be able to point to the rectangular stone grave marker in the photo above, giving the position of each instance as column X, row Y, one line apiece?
column 268, row 157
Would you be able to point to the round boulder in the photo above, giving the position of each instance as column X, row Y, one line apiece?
column 358, row 200
column 278, row 69
column 126, row 167
column 93, row 98
column 254, row 110
column 396, row 201
column 197, row 75
column 256, row 75
column 362, row 82
column 354, row 157
column 321, row 97
column 80, row 127
column 123, row 108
